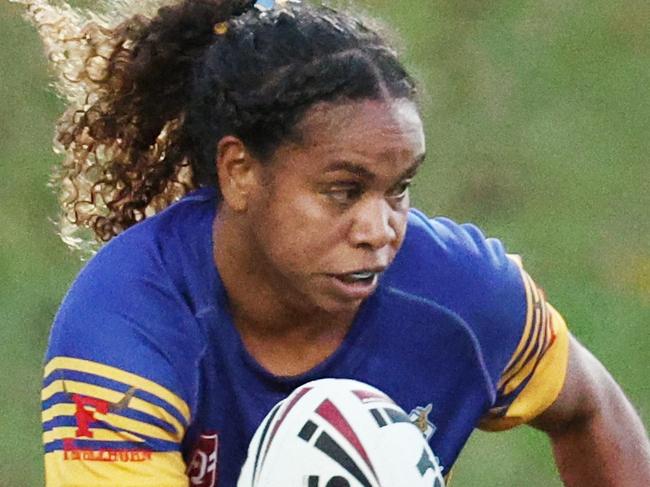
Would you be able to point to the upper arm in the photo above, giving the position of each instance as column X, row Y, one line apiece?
column 586, row 383
column 536, row 371
column 118, row 384
column 597, row 436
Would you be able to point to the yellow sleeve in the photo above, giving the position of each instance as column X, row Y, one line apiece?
column 534, row 377
column 103, row 426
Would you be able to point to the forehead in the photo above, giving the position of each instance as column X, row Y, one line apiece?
column 375, row 127
column 371, row 131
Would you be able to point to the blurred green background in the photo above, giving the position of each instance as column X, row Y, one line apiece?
column 537, row 114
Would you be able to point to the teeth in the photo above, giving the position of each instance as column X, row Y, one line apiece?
column 361, row 276
column 353, row 277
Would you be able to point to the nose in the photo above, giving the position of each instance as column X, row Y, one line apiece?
column 374, row 225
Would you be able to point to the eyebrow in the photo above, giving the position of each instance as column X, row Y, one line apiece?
column 351, row 167
column 361, row 171
column 411, row 171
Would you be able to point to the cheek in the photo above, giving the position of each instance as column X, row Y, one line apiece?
column 300, row 232
column 400, row 224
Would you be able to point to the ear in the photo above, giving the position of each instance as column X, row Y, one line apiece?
column 237, row 173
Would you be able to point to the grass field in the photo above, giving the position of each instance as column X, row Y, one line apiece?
column 537, row 115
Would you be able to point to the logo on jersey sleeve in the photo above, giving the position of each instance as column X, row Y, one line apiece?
column 92, row 412
column 86, row 407
column 202, row 469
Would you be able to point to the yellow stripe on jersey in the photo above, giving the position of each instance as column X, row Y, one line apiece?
column 113, row 396
column 544, row 385
column 528, row 328
column 99, row 434
column 62, row 409
column 115, row 420
column 88, row 366
column 537, row 337
column 449, row 476
column 159, row 469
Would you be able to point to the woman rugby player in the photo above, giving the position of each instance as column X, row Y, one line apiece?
column 290, row 135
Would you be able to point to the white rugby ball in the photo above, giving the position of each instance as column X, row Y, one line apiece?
column 339, row 433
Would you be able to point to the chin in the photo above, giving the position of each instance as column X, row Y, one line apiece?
column 314, row 298
column 344, row 309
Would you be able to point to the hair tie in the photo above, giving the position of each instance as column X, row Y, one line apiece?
column 265, row 5
column 220, row 28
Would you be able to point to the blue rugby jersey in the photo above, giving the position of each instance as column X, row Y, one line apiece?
column 147, row 382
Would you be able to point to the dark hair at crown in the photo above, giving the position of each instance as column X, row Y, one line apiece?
column 153, row 96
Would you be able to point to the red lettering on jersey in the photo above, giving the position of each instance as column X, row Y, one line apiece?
column 74, row 452
column 85, row 417
column 202, row 469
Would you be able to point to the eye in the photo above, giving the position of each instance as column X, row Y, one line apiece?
column 400, row 191
column 345, row 193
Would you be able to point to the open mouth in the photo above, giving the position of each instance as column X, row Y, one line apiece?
column 356, row 285
column 366, row 277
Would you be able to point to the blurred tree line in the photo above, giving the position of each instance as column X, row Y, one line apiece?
column 537, row 118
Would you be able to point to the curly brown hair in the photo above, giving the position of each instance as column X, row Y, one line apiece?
column 151, row 89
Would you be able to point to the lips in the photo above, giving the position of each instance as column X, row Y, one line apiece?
column 354, row 277
column 356, row 285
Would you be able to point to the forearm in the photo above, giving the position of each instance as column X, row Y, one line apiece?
column 607, row 445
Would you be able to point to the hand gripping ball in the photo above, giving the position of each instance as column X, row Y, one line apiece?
column 339, row 433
